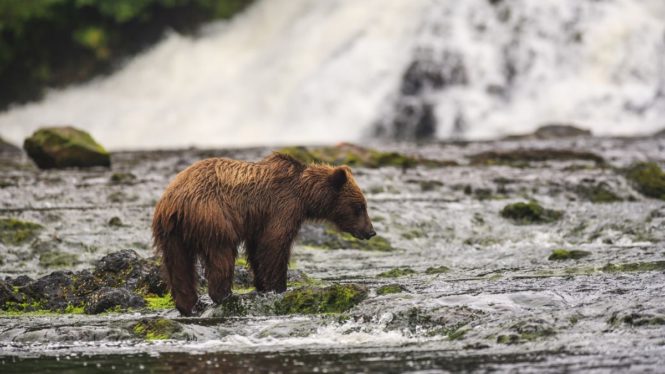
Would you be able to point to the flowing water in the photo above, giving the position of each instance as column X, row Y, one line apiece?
column 305, row 71
column 501, row 306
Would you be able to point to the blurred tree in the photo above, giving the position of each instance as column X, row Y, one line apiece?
column 51, row 43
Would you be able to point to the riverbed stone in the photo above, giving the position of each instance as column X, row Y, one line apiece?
column 109, row 299
column 62, row 147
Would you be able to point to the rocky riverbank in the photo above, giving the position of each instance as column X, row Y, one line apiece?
column 531, row 252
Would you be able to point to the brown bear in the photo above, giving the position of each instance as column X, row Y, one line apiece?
column 215, row 205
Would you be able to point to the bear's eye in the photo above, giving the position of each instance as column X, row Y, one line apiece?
column 359, row 209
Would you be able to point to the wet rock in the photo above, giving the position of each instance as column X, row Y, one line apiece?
column 111, row 299
column 321, row 236
column 53, row 292
column 522, row 157
column 637, row 318
column 20, row 281
column 354, row 155
column 61, row 147
column 397, row 272
column 6, row 294
column 553, row 131
column 565, row 254
column 634, row 267
column 115, row 222
column 531, row 212
column 337, row 298
column 390, row 289
column 527, row 331
column 157, row 329
column 648, row 178
column 16, row 232
column 128, row 270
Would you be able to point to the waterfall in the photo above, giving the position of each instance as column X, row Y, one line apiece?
column 323, row 71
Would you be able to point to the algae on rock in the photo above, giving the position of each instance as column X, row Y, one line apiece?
column 529, row 213
column 648, row 178
column 16, row 232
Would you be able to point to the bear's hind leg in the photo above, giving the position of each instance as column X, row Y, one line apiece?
column 178, row 266
column 219, row 265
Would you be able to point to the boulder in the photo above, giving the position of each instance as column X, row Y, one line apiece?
column 110, row 299
column 62, row 147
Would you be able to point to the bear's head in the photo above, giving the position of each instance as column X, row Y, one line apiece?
column 349, row 211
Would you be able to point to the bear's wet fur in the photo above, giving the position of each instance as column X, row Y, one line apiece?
column 216, row 205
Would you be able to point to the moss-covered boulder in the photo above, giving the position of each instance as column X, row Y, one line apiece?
column 437, row 270
column 111, row 299
column 598, row 193
column 56, row 259
column 62, row 147
column 648, row 178
column 354, row 155
column 529, row 213
column 565, row 254
column 157, row 329
column 17, row 232
column 337, row 298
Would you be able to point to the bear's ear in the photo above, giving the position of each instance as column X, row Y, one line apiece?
column 338, row 178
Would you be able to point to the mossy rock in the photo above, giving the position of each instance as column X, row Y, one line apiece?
column 529, row 213
column 55, row 259
column 437, row 270
column 634, row 267
column 354, row 155
column 522, row 157
column 396, row 273
column 122, row 178
column 648, row 178
column 390, row 289
column 16, row 232
column 598, row 194
column 157, row 329
column 565, row 254
column 337, row 298
column 62, row 147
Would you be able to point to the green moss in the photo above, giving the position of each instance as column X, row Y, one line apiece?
column 122, row 178
column 156, row 329
column 337, row 298
column 353, row 155
column 389, row 289
column 634, row 267
column 155, row 302
column 565, row 254
column 523, row 157
column 54, row 259
column 414, row 234
column 648, row 179
column 396, row 273
column 437, row 270
column 529, row 213
column 457, row 334
column 72, row 309
column 598, row 194
column 16, row 232
column 241, row 261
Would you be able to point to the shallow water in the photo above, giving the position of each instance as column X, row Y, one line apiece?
column 502, row 306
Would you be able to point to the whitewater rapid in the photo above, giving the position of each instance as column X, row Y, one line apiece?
column 310, row 71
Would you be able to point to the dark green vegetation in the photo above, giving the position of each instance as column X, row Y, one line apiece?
column 354, row 155
column 396, row 273
column 437, row 270
column 61, row 147
column 529, row 213
column 565, row 254
column 598, row 193
column 337, row 298
column 634, row 267
column 16, row 232
column 51, row 43
column 648, row 178
column 390, row 289
column 523, row 157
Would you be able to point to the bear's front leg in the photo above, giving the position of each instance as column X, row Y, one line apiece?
column 269, row 257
